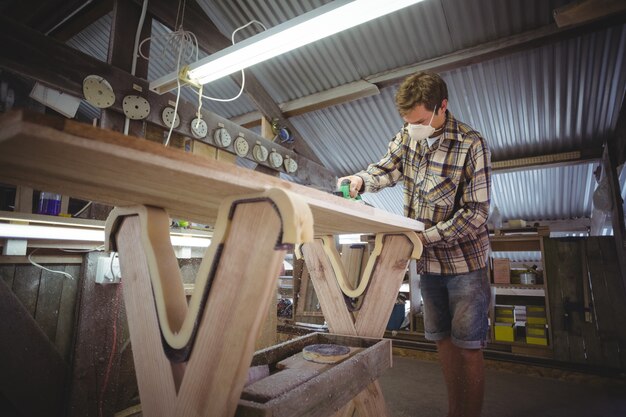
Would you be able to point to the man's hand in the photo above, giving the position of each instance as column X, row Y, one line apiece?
column 356, row 183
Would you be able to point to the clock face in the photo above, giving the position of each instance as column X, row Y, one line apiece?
column 222, row 137
column 260, row 152
column 275, row 159
column 291, row 165
column 241, row 146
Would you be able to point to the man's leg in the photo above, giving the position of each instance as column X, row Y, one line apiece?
column 451, row 365
column 463, row 371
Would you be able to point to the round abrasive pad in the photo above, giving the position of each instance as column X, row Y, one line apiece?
column 325, row 353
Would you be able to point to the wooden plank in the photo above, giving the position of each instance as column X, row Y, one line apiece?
column 339, row 319
column 23, row 199
column 119, row 171
column 49, row 299
column 26, row 286
column 384, row 286
column 585, row 11
column 7, row 272
column 67, row 308
column 29, row 362
column 552, row 262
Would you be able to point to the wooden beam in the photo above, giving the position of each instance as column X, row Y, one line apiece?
column 54, row 64
column 30, row 363
column 617, row 211
column 332, row 97
column 585, row 11
column 210, row 39
column 547, row 161
column 82, row 19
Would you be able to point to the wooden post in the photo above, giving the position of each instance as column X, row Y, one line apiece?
column 392, row 257
column 238, row 276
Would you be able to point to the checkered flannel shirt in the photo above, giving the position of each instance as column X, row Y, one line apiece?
column 447, row 187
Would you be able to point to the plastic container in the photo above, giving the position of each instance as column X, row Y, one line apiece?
column 49, row 203
column 397, row 317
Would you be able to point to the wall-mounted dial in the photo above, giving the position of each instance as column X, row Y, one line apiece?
column 260, row 152
column 221, row 137
column 98, row 91
column 199, row 128
column 275, row 159
column 241, row 146
column 291, row 165
column 170, row 117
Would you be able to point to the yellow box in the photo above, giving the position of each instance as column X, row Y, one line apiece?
column 536, row 310
column 537, row 340
column 536, row 331
column 504, row 332
column 536, row 320
column 504, row 319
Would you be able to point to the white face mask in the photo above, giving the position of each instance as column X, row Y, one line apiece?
column 418, row 132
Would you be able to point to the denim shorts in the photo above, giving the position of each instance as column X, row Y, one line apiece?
column 457, row 306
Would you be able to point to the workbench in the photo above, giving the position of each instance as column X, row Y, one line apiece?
column 192, row 358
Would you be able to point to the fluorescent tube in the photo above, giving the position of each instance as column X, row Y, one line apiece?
column 324, row 21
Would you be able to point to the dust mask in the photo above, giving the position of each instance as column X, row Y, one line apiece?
column 418, row 132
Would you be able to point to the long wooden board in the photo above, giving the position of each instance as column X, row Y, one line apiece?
column 105, row 166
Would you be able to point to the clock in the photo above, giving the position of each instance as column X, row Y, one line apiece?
column 241, row 146
column 259, row 152
column 199, row 128
column 291, row 165
column 275, row 159
column 221, row 137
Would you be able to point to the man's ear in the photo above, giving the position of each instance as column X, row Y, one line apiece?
column 444, row 105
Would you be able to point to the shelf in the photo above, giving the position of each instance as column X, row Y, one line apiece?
column 519, row 289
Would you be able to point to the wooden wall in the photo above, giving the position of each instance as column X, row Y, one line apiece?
column 587, row 301
column 49, row 298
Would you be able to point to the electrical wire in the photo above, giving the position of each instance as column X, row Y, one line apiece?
column 243, row 74
column 79, row 212
column 30, row 259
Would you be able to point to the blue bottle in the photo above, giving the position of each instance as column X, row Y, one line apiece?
column 49, row 203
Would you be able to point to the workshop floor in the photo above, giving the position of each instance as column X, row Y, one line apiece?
column 414, row 387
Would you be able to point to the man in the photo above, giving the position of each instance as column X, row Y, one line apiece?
column 446, row 169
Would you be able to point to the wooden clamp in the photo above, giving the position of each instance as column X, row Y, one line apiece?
column 193, row 361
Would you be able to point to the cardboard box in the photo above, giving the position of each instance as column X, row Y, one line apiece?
column 501, row 271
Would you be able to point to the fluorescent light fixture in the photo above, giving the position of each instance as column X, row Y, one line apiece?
column 22, row 231
column 317, row 24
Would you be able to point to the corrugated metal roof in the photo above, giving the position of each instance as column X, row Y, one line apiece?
column 559, row 97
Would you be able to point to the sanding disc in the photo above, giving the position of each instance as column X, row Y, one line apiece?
column 325, row 353
column 98, row 91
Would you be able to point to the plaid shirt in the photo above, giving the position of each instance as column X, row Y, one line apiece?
column 446, row 187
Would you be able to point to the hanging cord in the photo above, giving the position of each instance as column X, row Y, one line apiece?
column 30, row 259
column 243, row 75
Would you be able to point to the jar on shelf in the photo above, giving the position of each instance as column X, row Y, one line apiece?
column 49, row 203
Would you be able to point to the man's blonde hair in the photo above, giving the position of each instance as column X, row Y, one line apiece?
column 425, row 88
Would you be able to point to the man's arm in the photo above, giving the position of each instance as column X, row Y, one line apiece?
column 381, row 174
column 475, row 200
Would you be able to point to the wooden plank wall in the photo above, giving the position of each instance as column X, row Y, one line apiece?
column 50, row 298
column 579, row 269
